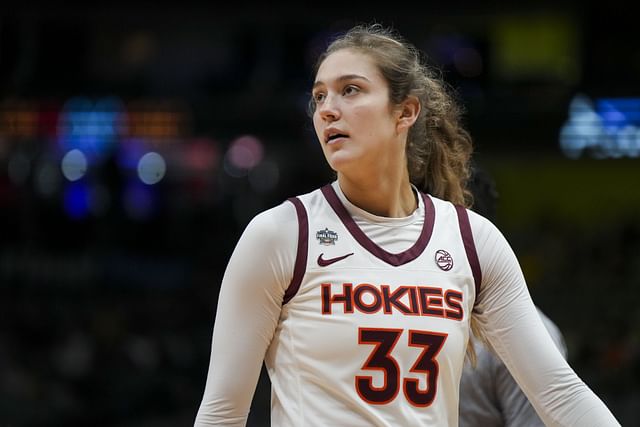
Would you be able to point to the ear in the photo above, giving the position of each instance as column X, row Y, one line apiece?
column 409, row 111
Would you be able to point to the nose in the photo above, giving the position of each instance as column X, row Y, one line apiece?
column 328, row 109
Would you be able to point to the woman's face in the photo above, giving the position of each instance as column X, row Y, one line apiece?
column 353, row 118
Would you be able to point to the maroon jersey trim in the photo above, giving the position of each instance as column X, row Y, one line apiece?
column 390, row 258
column 469, row 246
column 301, row 254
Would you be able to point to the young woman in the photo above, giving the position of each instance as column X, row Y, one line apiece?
column 360, row 296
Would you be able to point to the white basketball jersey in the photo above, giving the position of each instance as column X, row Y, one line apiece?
column 368, row 337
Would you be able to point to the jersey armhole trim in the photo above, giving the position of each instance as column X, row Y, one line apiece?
column 301, row 254
column 469, row 246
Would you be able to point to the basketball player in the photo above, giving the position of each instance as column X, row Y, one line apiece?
column 489, row 395
column 360, row 296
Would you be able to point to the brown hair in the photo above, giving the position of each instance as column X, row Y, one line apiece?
column 438, row 148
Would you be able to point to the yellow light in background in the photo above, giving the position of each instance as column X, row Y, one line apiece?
column 18, row 119
column 536, row 46
column 584, row 193
column 162, row 121
column 155, row 124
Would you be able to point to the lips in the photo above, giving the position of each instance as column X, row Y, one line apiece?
column 335, row 138
column 331, row 136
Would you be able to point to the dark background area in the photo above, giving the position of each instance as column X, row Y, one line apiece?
column 138, row 139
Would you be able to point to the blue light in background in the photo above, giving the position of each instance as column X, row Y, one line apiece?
column 616, row 113
column 130, row 152
column 610, row 128
column 90, row 127
column 76, row 200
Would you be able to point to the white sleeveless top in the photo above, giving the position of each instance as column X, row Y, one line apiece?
column 370, row 337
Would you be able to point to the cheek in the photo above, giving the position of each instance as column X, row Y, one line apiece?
column 372, row 112
column 317, row 125
column 375, row 123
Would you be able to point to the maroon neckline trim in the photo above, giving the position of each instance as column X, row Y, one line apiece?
column 390, row 258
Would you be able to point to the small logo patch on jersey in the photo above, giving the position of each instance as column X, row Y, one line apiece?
column 322, row 262
column 326, row 237
column 444, row 260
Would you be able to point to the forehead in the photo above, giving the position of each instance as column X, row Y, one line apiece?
column 348, row 62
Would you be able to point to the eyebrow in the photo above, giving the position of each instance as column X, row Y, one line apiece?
column 343, row 78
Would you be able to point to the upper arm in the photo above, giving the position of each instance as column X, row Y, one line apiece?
column 249, row 306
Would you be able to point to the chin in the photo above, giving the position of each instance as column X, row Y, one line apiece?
column 340, row 161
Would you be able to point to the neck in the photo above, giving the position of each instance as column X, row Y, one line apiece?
column 383, row 195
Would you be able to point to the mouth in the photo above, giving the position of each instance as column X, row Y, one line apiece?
column 333, row 137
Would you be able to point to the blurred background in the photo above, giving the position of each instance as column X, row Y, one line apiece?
column 138, row 139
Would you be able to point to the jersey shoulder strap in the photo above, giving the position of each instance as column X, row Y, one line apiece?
column 301, row 254
column 469, row 245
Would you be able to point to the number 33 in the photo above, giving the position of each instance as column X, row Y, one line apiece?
column 380, row 359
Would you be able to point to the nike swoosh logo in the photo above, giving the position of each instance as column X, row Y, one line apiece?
column 325, row 262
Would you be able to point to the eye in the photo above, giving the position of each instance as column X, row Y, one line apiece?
column 318, row 97
column 350, row 90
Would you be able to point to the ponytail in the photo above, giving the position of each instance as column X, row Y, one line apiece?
column 438, row 148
